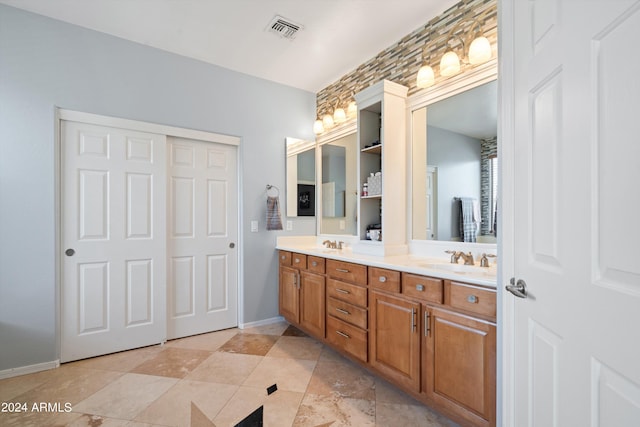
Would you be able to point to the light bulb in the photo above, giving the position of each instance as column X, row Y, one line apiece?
column 425, row 77
column 327, row 121
column 317, row 127
column 479, row 51
column 339, row 116
column 449, row 64
column 352, row 109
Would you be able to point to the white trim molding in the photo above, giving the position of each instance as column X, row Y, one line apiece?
column 29, row 369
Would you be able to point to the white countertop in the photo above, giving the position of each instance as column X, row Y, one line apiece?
column 426, row 266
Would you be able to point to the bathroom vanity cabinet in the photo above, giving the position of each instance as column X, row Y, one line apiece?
column 434, row 338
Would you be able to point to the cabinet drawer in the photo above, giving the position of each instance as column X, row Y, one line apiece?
column 299, row 261
column 472, row 299
column 315, row 264
column 350, row 272
column 284, row 257
column 348, row 312
column 349, row 338
column 386, row 280
column 347, row 292
column 425, row 288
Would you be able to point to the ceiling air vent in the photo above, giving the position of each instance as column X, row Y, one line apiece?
column 284, row 27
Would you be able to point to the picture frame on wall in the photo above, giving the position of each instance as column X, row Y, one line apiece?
column 306, row 200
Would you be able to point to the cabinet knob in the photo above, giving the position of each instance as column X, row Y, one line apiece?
column 382, row 279
column 282, row 257
column 472, row 299
column 297, row 261
column 314, row 263
column 420, row 288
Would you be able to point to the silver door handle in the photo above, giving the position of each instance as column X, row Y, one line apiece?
column 518, row 289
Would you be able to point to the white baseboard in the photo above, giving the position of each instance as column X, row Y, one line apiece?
column 261, row 322
column 23, row 370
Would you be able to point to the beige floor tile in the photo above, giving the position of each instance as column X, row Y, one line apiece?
column 258, row 345
column 388, row 393
column 86, row 420
column 225, row 368
column 210, row 342
column 287, row 374
column 389, row 414
column 173, row 362
column 15, row 386
column 37, row 419
column 174, row 407
column 280, row 407
column 277, row 328
column 68, row 385
column 342, row 378
column 296, row 348
column 123, row 361
column 335, row 411
column 126, row 397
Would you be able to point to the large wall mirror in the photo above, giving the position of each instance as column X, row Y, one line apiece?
column 338, row 192
column 455, row 167
column 301, row 177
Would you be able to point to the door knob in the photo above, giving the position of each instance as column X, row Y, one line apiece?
column 518, row 288
column 233, row 245
column 69, row 252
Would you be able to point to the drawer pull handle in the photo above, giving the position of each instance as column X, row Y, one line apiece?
column 314, row 263
column 420, row 288
column 342, row 334
column 342, row 270
column 382, row 279
column 342, row 291
column 472, row 299
column 339, row 310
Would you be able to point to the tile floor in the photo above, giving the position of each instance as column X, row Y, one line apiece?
column 215, row 379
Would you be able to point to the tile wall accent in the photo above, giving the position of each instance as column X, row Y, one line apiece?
column 400, row 63
column 488, row 150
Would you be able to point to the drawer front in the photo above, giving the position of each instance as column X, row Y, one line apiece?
column 425, row 288
column 347, row 292
column 350, row 272
column 472, row 298
column 315, row 264
column 349, row 338
column 299, row 261
column 284, row 257
column 348, row 312
column 386, row 280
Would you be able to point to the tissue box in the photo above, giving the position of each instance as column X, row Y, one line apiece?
column 375, row 185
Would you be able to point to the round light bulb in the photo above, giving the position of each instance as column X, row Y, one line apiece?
column 425, row 77
column 317, row 127
column 352, row 109
column 449, row 64
column 327, row 121
column 479, row 51
column 339, row 116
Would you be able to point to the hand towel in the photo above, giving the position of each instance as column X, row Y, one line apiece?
column 274, row 221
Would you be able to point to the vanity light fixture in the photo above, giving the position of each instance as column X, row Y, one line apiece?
column 318, row 127
column 339, row 116
column 327, row 121
column 352, row 109
column 450, row 64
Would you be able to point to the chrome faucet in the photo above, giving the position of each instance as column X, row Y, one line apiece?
column 455, row 256
column 332, row 245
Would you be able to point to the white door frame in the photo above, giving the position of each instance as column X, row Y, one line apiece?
column 95, row 119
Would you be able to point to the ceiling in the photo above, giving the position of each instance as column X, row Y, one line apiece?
column 336, row 35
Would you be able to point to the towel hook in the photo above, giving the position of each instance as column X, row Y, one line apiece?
column 272, row 187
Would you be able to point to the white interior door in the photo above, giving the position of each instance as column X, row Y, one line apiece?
column 203, row 232
column 573, row 347
column 113, row 240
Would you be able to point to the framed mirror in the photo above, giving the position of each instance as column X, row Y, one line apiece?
column 338, row 184
column 455, row 166
column 301, row 177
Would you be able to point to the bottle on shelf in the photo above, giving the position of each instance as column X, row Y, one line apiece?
column 365, row 189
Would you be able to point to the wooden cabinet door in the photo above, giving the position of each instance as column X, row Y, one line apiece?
column 459, row 364
column 394, row 342
column 312, row 303
column 289, row 297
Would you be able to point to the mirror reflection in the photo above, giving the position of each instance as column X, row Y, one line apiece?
column 301, row 177
column 339, row 186
column 455, row 167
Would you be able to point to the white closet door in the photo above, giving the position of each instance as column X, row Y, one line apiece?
column 113, row 240
column 203, row 231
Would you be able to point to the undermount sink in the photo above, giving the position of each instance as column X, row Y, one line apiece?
column 462, row 268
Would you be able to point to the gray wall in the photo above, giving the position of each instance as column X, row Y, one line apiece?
column 46, row 63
